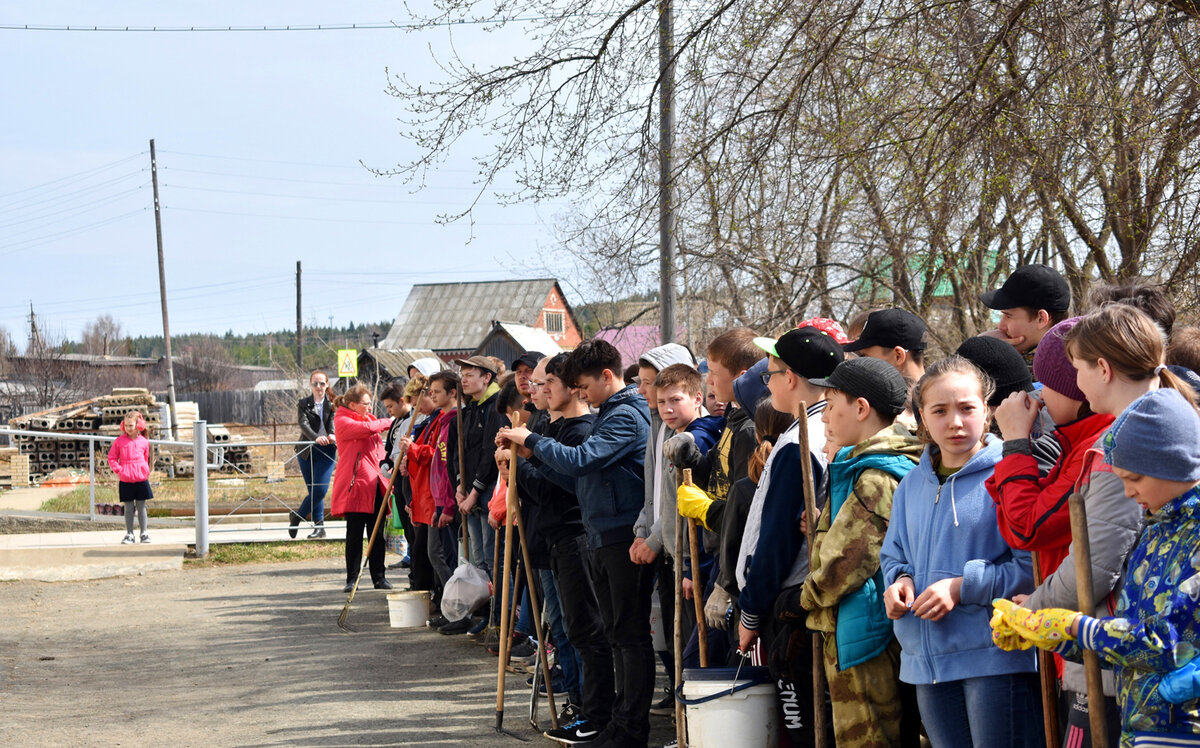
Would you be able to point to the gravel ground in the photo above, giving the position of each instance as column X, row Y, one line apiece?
column 242, row 655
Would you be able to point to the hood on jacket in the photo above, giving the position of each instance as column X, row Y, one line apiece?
column 427, row 366
column 707, row 429
column 748, row 389
column 665, row 355
column 894, row 439
column 982, row 461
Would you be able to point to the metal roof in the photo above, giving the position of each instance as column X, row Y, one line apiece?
column 528, row 338
column 442, row 316
column 395, row 361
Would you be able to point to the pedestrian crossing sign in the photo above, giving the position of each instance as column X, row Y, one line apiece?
column 347, row 359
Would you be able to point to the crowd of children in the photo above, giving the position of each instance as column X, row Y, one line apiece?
column 941, row 547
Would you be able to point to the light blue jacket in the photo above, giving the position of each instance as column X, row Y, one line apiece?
column 939, row 531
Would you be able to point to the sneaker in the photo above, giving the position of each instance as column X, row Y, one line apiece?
column 349, row 586
column 128, row 539
column 574, row 733
column 317, row 534
column 523, row 649
column 383, row 584
column 461, row 626
column 145, row 538
column 494, row 647
column 556, row 673
column 665, row 706
column 438, row 621
column 560, row 687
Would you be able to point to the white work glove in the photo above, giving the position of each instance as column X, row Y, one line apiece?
column 717, row 606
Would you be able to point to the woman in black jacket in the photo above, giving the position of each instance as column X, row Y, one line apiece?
column 315, row 416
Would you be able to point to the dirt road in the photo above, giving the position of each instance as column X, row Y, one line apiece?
column 245, row 655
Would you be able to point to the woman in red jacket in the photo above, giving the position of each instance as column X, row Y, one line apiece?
column 357, row 484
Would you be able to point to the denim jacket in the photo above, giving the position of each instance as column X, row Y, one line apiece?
column 606, row 469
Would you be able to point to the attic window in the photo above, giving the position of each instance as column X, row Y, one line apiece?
column 554, row 322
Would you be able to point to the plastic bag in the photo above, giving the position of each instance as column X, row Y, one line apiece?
column 467, row 589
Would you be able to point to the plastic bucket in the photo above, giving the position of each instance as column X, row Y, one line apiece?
column 717, row 718
column 408, row 609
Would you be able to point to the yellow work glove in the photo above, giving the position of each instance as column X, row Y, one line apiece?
column 693, row 502
column 1004, row 635
column 1045, row 628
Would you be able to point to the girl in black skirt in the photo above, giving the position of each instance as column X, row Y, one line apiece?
column 129, row 459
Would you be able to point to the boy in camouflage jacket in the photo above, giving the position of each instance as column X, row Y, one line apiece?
column 844, row 590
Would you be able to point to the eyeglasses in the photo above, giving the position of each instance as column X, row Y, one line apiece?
column 766, row 375
column 319, row 384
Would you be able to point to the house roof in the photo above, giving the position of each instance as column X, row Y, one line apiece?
column 444, row 316
column 631, row 341
column 395, row 362
column 526, row 337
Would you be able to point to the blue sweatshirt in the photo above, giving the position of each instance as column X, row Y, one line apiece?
column 944, row 530
column 606, row 467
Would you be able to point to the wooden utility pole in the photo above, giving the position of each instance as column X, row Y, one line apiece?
column 162, row 292
column 299, row 336
column 666, row 182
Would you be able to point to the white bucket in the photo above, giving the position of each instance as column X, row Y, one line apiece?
column 744, row 719
column 408, row 609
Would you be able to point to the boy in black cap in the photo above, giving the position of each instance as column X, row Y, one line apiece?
column 896, row 336
column 843, row 593
column 1032, row 300
column 773, row 557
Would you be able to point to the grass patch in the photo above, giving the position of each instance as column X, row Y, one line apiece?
column 227, row 554
column 75, row 501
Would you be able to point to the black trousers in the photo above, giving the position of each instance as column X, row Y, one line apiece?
column 358, row 527
column 623, row 592
column 585, row 630
column 420, row 571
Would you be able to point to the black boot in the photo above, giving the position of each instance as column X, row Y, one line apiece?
column 293, row 523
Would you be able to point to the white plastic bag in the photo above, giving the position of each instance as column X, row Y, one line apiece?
column 467, row 589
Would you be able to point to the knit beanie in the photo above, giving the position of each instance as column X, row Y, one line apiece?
column 1051, row 365
column 1157, row 435
column 1001, row 362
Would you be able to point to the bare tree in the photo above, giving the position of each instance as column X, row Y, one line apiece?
column 103, row 337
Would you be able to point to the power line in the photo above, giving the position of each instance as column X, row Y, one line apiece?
column 331, row 220
column 370, row 26
column 77, row 175
column 325, row 198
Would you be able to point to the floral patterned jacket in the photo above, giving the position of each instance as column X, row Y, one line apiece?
column 1157, row 623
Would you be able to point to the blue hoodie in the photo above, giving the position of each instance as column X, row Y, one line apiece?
column 605, row 471
column 931, row 539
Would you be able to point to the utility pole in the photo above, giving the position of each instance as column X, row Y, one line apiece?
column 299, row 338
column 162, row 292
column 666, row 183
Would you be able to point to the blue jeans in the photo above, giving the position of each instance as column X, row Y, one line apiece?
column 567, row 657
column 482, row 539
column 994, row 711
column 317, row 469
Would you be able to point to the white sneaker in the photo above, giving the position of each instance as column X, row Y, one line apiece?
column 145, row 538
column 128, row 539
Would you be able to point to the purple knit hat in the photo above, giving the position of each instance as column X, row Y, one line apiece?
column 1052, row 367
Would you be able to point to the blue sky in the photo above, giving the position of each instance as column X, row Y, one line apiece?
column 259, row 138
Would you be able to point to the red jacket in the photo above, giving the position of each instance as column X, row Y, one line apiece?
column 360, row 449
column 420, row 457
column 1032, row 512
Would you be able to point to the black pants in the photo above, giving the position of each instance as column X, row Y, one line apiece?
column 585, row 631
column 359, row 526
column 623, row 592
column 420, row 571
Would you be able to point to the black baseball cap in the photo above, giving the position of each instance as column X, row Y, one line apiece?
column 529, row 358
column 890, row 328
column 1001, row 362
column 877, row 381
column 1034, row 286
column 808, row 351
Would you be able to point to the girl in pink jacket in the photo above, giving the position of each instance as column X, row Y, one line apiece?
column 129, row 459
